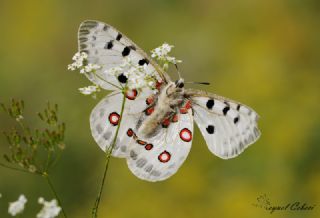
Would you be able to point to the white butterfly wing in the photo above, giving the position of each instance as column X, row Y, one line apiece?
column 104, row 119
column 228, row 127
column 107, row 47
column 163, row 154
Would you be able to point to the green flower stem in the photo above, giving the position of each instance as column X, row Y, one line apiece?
column 100, row 77
column 16, row 169
column 48, row 161
column 109, row 153
column 46, row 176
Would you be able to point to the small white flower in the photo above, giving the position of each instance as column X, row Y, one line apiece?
column 138, row 76
column 89, row 90
column 50, row 209
column 19, row 118
column 17, row 207
column 78, row 59
column 161, row 54
column 89, row 68
column 32, row 168
column 151, row 83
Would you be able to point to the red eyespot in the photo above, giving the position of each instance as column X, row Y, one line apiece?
column 140, row 142
column 183, row 110
column 188, row 105
column 131, row 94
column 149, row 111
column 130, row 132
column 158, row 85
column 175, row 118
column 150, row 100
column 164, row 157
column 166, row 123
column 114, row 118
column 148, row 147
column 186, row 135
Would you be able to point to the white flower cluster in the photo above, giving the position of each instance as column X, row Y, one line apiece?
column 89, row 68
column 50, row 209
column 161, row 54
column 17, row 207
column 89, row 90
column 138, row 76
column 79, row 60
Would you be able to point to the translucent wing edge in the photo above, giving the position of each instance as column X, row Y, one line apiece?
column 252, row 137
column 87, row 25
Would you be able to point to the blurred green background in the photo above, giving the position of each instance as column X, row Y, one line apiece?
column 265, row 54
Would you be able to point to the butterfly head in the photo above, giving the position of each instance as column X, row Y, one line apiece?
column 179, row 83
column 173, row 88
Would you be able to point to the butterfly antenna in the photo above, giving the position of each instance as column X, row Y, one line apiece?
column 200, row 83
column 178, row 70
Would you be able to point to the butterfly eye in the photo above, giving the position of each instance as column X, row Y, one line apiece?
column 179, row 84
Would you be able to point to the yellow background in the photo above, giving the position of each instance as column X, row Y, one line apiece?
column 265, row 54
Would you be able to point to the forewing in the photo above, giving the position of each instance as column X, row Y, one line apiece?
column 107, row 47
column 227, row 126
column 104, row 119
column 162, row 155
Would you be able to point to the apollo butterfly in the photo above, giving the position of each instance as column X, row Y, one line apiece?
column 156, row 132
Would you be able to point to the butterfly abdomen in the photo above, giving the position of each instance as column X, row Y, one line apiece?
column 159, row 115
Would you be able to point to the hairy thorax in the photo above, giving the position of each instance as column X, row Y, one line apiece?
column 163, row 109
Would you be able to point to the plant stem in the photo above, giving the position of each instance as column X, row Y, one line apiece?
column 108, row 156
column 46, row 176
column 16, row 169
column 100, row 77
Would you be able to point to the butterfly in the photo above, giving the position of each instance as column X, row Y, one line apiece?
column 156, row 130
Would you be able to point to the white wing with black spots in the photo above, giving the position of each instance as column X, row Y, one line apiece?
column 107, row 47
column 159, row 157
column 228, row 127
column 104, row 119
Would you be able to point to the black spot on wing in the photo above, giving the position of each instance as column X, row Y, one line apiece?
column 236, row 120
column 225, row 110
column 122, row 78
column 238, row 107
column 210, row 129
column 105, row 27
column 126, row 51
column 210, row 103
column 109, row 45
column 119, row 36
column 143, row 62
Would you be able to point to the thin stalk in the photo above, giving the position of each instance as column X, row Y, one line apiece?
column 46, row 176
column 109, row 152
column 99, row 77
column 17, row 169
column 48, row 161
